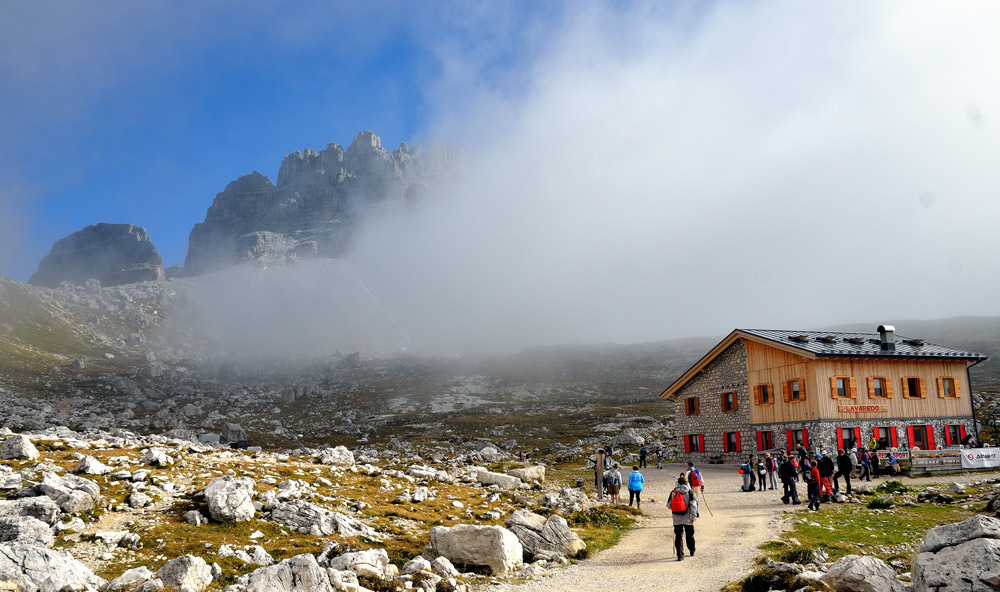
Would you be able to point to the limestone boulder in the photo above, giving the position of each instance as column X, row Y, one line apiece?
column 157, row 457
column 186, row 573
column 550, row 536
column 491, row 546
column 505, row 482
column 230, row 499
column 628, row 437
column 72, row 494
column 89, row 465
column 26, row 530
column 529, row 474
column 130, row 579
column 297, row 574
column 339, row 456
column 9, row 479
column 308, row 518
column 41, row 507
column 371, row 564
column 949, row 535
column 32, row 567
column 971, row 566
column 862, row 573
column 18, row 447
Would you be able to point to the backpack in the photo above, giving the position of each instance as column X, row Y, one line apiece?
column 678, row 505
column 695, row 478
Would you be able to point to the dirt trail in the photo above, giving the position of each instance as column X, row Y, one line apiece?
column 727, row 542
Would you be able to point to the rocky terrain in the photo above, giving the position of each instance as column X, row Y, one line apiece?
column 117, row 511
column 112, row 254
column 319, row 199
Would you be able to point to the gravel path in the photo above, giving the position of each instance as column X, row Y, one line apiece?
column 727, row 542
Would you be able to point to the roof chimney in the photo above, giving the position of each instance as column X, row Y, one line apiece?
column 887, row 337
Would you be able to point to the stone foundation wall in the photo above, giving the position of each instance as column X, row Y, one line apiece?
column 822, row 434
column 726, row 373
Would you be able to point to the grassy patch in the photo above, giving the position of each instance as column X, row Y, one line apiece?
column 602, row 527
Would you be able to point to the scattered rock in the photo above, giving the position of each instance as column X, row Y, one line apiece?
column 529, row 474
column 195, row 517
column 308, row 518
column 18, row 447
column 41, row 507
column 491, row 546
column 33, row 567
column 538, row 534
column 230, row 499
column 26, row 530
column 72, row 494
column 157, row 457
column 89, row 465
column 973, row 565
column 131, row 578
column 372, row 564
column 298, row 574
column 502, row 481
column 186, row 573
column 138, row 499
column 949, row 535
column 862, row 573
column 339, row 456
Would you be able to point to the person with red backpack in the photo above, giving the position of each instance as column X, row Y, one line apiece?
column 694, row 478
column 684, row 507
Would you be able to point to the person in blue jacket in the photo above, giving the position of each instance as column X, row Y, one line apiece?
column 635, row 481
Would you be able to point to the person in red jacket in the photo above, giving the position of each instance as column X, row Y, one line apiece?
column 812, row 481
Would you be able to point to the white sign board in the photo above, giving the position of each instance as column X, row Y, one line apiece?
column 980, row 458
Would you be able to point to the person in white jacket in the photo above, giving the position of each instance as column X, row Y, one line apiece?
column 685, row 512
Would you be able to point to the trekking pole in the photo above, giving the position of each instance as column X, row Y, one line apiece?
column 705, row 499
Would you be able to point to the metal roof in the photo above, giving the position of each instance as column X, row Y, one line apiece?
column 831, row 343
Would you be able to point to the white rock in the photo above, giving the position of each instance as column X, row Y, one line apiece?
column 529, row 474
column 949, row 535
column 972, row 566
column 18, row 447
column 862, row 573
column 491, row 546
column 72, row 494
column 89, row 465
column 157, row 457
column 230, row 499
column 26, row 530
column 551, row 536
column 186, row 573
column 131, row 578
column 416, row 564
column 308, row 518
column 138, row 499
column 443, row 567
column 195, row 517
column 339, row 456
column 370, row 563
column 505, row 482
column 9, row 479
column 37, row 568
column 299, row 574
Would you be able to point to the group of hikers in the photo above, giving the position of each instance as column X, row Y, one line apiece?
column 682, row 501
column 817, row 470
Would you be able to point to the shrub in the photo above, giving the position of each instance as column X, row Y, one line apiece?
column 892, row 487
column 880, row 503
column 796, row 555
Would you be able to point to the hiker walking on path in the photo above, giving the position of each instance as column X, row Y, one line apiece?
column 642, row 456
column 613, row 479
column 772, row 466
column 635, row 481
column 866, row 461
column 684, row 507
column 694, row 478
column 761, row 475
column 659, row 457
column 746, row 471
column 786, row 472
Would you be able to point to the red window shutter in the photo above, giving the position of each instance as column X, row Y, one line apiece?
column 947, row 435
column 930, row 437
column 701, row 442
column 760, row 441
column 791, row 440
column 961, row 431
column 805, row 439
column 739, row 447
column 875, row 433
column 840, row 438
column 909, row 436
column 687, row 443
column 857, row 436
column 892, row 434
column 725, row 443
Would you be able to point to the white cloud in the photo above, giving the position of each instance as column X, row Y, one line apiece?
column 657, row 175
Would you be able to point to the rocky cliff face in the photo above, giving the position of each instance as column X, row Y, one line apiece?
column 114, row 254
column 319, row 199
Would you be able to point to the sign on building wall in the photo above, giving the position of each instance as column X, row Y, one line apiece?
column 863, row 408
column 980, row 458
column 902, row 458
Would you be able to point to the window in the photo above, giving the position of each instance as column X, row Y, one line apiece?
column 914, row 388
column 848, row 438
column 763, row 394
column 843, row 387
column 879, row 387
column 798, row 437
column 731, row 442
column 765, row 441
column 947, row 387
column 729, row 402
column 920, row 436
column 694, row 443
column 794, row 390
column 886, row 437
column 692, row 406
column 954, row 434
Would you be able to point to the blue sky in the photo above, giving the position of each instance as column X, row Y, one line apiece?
column 142, row 112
